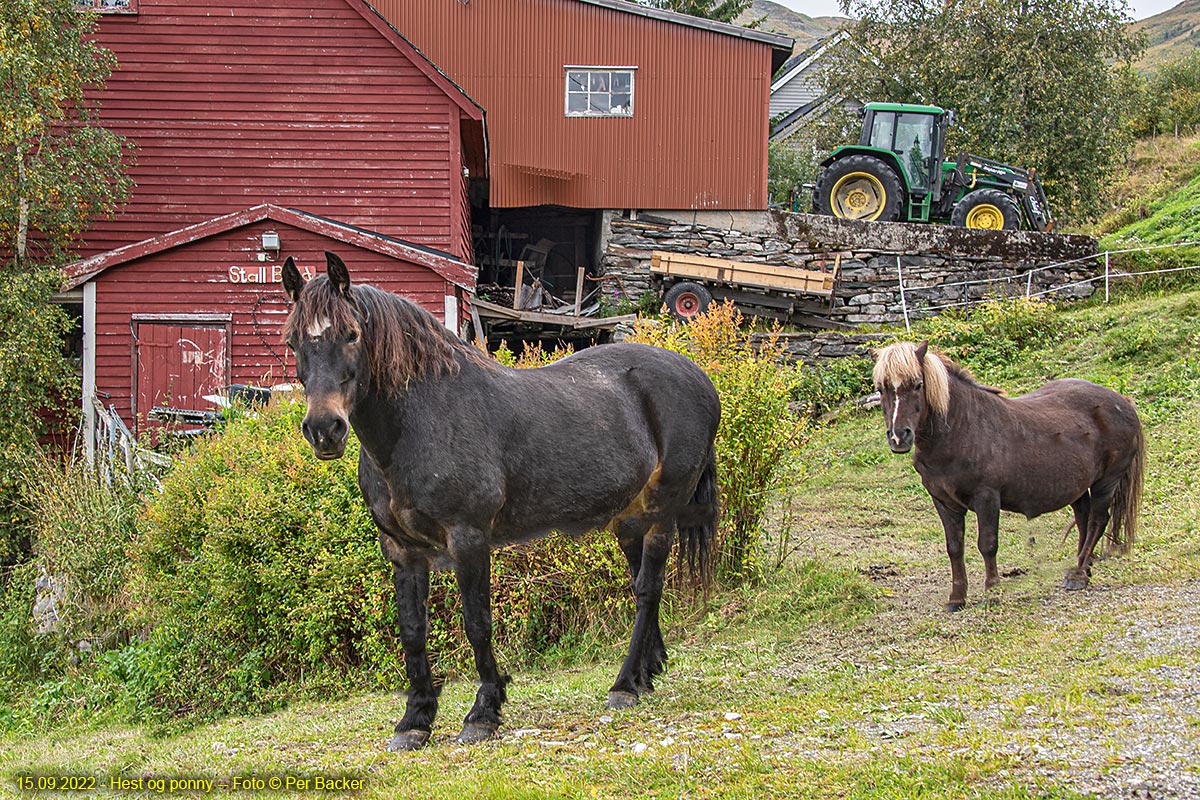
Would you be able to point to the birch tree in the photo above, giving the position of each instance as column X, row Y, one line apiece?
column 58, row 167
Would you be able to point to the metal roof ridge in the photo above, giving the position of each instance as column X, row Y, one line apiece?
column 726, row 28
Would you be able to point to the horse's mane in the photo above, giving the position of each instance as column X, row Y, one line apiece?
column 897, row 364
column 404, row 341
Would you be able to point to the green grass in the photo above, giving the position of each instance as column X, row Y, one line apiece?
column 837, row 676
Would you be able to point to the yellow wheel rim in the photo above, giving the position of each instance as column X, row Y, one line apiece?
column 858, row 195
column 987, row 216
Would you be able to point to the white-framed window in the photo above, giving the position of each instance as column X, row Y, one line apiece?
column 109, row 6
column 599, row 91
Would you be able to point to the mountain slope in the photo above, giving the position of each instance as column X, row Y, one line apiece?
column 1172, row 34
column 804, row 29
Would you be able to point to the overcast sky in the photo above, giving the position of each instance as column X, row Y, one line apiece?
column 1139, row 9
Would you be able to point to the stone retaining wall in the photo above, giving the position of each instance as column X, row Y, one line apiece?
column 935, row 260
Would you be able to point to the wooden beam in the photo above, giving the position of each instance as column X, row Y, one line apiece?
column 578, row 290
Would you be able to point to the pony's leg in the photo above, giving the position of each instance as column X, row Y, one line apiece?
column 656, row 546
column 411, row 579
column 954, row 522
column 630, row 535
column 473, row 569
column 1083, row 510
column 987, row 515
column 1101, row 496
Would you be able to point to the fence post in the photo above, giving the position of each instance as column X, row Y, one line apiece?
column 1106, row 276
column 1028, row 283
column 903, row 302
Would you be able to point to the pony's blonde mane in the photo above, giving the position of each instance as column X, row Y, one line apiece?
column 897, row 365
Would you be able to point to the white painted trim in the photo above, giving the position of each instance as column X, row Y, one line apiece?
column 201, row 317
column 89, row 370
column 452, row 312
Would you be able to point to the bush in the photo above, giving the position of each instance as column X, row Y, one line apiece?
column 36, row 385
column 259, row 575
column 758, row 433
column 832, row 383
column 993, row 334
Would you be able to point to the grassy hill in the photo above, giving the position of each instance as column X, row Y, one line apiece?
column 1172, row 34
column 838, row 675
column 776, row 18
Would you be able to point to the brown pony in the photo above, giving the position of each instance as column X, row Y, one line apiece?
column 1071, row 442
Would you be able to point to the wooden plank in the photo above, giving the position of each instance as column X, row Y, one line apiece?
column 721, row 270
column 480, row 336
column 578, row 290
column 517, row 287
column 604, row 322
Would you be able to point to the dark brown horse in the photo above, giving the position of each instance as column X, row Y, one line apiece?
column 1071, row 442
column 460, row 455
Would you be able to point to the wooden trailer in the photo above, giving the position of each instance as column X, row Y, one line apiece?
column 789, row 294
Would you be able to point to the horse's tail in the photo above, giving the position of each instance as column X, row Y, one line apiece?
column 1122, row 530
column 698, row 521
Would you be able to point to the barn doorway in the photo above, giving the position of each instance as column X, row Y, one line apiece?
column 176, row 363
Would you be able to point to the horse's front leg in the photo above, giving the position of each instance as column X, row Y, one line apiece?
column 954, row 522
column 411, row 579
column 473, row 569
column 987, row 514
column 647, row 587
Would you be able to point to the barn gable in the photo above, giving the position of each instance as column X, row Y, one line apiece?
column 184, row 315
column 318, row 104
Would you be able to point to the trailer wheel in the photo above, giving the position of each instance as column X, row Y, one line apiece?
column 987, row 209
column 686, row 300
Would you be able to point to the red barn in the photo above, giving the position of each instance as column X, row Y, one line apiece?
column 173, row 319
column 596, row 107
column 240, row 111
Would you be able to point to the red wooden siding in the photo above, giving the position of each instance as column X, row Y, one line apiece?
column 300, row 103
column 194, row 282
column 698, row 136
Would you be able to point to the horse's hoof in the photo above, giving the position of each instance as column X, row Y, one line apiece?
column 1075, row 581
column 476, row 732
column 953, row 606
column 621, row 700
column 406, row 741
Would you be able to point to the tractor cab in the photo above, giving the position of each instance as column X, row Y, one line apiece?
column 898, row 171
column 913, row 139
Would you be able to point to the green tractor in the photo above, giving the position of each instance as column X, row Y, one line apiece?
column 898, row 171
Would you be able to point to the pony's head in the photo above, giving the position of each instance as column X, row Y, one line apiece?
column 912, row 383
column 325, row 332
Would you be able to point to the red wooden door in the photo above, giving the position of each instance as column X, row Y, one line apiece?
column 177, row 364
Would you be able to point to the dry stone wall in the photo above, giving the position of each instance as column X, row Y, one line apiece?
column 936, row 261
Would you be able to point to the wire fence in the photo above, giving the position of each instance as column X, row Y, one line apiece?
column 1107, row 274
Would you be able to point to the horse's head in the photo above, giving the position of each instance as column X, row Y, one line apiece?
column 912, row 382
column 325, row 331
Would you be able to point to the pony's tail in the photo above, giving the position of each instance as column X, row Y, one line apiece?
column 1122, row 531
column 698, row 522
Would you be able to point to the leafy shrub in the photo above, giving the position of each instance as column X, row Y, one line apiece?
column 993, row 334
column 258, row 571
column 758, row 433
column 36, row 384
column 831, row 383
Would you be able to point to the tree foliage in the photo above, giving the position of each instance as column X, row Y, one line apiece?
column 58, row 168
column 1036, row 84
column 719, row 10
column 1171, row 104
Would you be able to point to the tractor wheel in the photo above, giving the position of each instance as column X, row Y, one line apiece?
column 987, row 209
column 859, row 187
column 686, row 300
